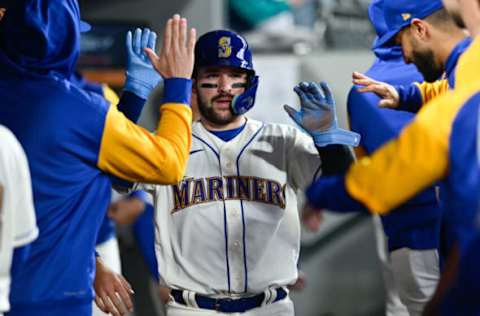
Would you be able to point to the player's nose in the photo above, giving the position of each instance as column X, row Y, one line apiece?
column 224, row 84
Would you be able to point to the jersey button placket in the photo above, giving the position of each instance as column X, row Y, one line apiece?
column 235, row 226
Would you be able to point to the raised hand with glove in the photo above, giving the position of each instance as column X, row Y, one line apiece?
column 141, row 77
column 317, row 115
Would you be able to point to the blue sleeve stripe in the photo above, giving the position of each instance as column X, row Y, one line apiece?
column 177, row 90
column 131, row 105
column 410, row 98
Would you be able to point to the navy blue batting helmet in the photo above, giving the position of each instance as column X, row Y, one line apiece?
column 226, row 48
column 223, row 48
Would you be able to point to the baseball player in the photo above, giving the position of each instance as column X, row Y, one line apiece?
column 442, row 137
column 413, row 230
column 227, row 237
column 74, row 139
column 431, row 40
column 18, row 227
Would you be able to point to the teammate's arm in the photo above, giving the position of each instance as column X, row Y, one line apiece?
column 414, row 96
column 335, row 159
column 112, row 291
column 134, row 154
column 408, row 98
column 399, row 169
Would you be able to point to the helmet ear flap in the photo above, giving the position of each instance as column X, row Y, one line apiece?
column 243, row 102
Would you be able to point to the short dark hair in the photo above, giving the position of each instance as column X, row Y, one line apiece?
column 441, row 19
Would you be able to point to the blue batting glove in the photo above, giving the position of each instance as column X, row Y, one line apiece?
column 317, row 115
column 141, row 77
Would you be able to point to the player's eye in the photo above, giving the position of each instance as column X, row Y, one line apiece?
column 207, row 85
column 238, row 85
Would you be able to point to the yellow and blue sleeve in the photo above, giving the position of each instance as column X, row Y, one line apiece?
column 110, row 95
column 134, row 154
column 405, row 166
column 431, row 90
column 413, row 97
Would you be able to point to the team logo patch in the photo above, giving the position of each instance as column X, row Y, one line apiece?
column 406, row 16
column 224, row 47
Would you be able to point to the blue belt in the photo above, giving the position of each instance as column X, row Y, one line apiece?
column 229, row 305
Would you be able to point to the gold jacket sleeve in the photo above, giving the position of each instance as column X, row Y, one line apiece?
column 405, row 166
column 468, row 66
column 110, row 95
column 130, row 152
column 431, row 90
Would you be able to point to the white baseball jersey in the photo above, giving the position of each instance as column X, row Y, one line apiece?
column 17, row 216
column 232, row 226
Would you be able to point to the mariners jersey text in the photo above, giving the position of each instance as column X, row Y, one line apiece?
column 193, row 191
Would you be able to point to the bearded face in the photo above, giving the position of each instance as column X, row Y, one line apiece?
column 215, row 89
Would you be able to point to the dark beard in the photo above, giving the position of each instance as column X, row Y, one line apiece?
column 426, row 65
column 457, row 18
column 209, row 114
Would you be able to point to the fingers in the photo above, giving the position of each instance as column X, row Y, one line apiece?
column 127, row 285
column 144, row 41
column 175, row 31
column 378, row 89
column 183, row 32
column 176, row 57
column 294, row 114
column 290, row 111
column 128, row 42
column 357, row 75
column 114, row 301
column 100, row 304
column 152, row 41
column 167, row 37
column 137, row 37
column 192, row 38
column 362, row 80
column 152, row 56
column 302, row 95
column 387, row 103
column 327, row 92
column 311, row 96
column 103, row 301
column 125, row 299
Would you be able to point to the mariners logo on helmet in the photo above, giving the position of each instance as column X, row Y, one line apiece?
column 224, row 47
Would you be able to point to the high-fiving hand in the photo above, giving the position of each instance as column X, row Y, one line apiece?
column 177, row 52
column 141, row 77
column 317, row 115
column 388, row 94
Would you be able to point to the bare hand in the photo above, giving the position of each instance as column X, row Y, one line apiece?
column 177, row 52
column 388, row 93
column 164, row 293
column 311, row 218
column 112, row 291
column 299, row 284
column 126, row 211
